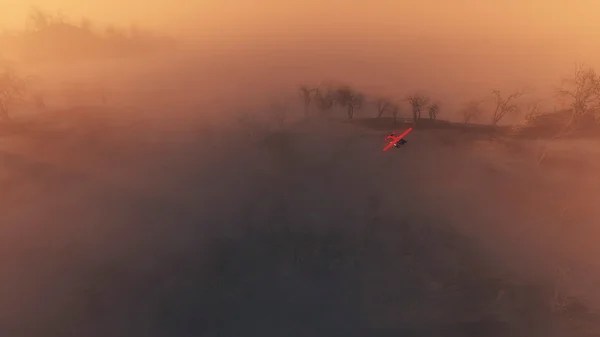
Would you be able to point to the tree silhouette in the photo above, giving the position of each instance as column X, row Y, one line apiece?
column 12, row 88
column 307, row 94
column 532, row 111
column 582, row 91
column 471, row 111
column 504, row 105
column 383, row 105
column 433, row 110
column 38, row 19
column 417, row 102
column 53, row 37
column 349, row 98
column 325, row 97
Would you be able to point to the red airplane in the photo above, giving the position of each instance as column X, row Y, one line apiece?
column 396, row 141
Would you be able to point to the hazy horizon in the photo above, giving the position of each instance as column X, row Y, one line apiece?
column 454, row 51
column 536, row 17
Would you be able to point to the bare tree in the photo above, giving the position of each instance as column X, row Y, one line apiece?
column 349, row 98
column 471, row 111
column 383, row 104
column 417, row 102
column 433, row 110
column 12, row 88
column 307, row 94
column 38, row 19
column 504, row 105
column 325, row 97
column 582, row 90
column 532, row 111
column 60, row 17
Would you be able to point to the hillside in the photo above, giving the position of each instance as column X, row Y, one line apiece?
column 155, row 228
column 553, row 124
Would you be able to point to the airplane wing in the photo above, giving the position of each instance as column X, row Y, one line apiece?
column 387, row 147
column 396, row 139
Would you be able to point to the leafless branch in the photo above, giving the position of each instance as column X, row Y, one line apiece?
column 12, row 89
column 383, row 104
column 532, row 111
column 325, row 97
column 433, row 110
column 581, row 90
column 417, row 102
column 471, row 111
column 504, row 105
column 307, row 94
column 349, row 98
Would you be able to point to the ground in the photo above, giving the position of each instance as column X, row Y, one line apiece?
column 115, row 226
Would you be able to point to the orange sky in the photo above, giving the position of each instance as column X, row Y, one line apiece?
column 472, row 44
column 339, row 16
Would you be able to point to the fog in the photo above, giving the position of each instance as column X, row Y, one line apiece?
column 451, row 50
column 155, row 195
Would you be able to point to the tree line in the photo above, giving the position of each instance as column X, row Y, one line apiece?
column 55, row 37
column 579, row 91
column 326, row 97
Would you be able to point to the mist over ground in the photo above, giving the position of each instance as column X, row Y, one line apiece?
column 157, row 196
